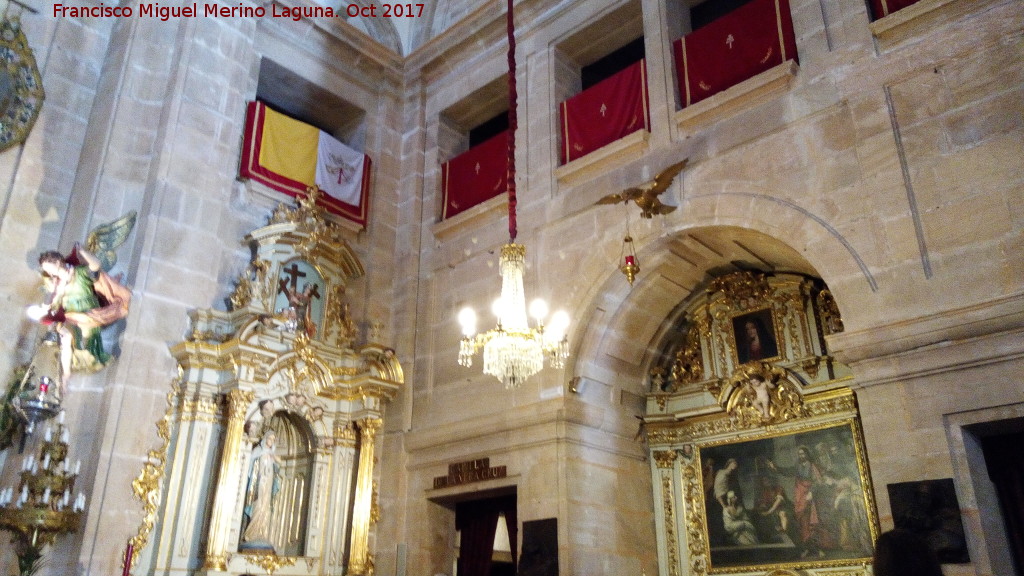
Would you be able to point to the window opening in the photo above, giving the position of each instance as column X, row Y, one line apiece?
column 614, row 62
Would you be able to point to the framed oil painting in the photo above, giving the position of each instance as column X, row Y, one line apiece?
column 787, row 499
column 755, row 337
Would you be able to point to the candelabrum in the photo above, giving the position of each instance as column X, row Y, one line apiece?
column 40, row 506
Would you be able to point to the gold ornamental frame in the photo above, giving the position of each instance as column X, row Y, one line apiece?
column 21, row 87
column 846, row 510
column 758, row 317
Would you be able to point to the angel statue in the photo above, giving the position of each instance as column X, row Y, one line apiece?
column 82, row 297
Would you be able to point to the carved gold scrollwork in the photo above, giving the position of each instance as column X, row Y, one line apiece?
column 251, row 284
column 375, row 504
column 668, row 505
column 343, row 328
column 665, row 458
column 312, row 368
column 742, row 290
column 688, row 364
column 762, row 394
column 694, row 519
column 146, row 486
column 242, row 294
column 270, row 562
column 831, row 321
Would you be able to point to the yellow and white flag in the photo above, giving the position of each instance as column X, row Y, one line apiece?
column 289, row 156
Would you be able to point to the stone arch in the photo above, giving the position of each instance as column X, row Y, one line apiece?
column 620, row 330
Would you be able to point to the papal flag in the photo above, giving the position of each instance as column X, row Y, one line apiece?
column 742, row 44
column 289, row 155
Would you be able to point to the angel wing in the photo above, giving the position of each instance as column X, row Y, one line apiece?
column 105, row 238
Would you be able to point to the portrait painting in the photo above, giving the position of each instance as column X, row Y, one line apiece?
column 754, row 334
column 788, row 499
column 930, row 509
column 300, row 297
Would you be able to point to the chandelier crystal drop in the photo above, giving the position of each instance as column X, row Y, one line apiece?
column 513, row 351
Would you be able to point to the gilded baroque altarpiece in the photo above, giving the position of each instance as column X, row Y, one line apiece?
column 267, row 463
column 757, row 455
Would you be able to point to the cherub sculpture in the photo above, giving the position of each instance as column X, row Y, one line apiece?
column 82, row 297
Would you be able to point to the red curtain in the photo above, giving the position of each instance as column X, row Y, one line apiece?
column 478, row 521
column 737, row 46
column 479, row 174
column 612, row 108
column 882, row 8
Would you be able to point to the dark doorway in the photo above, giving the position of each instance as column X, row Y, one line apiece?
column 477, row 522
column 1004, row 459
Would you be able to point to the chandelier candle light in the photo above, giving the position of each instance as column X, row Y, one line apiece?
column 513, row 351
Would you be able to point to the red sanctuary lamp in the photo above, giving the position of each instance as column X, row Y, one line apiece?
column 629, row 262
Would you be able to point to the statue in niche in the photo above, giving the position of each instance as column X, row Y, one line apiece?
column 263, row 485
column 82, row 298
column 257, row 425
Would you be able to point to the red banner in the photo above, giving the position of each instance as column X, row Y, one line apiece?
column 737, row 46
column 474, row 176
column 281, row 153
column 882, row 8
column 612, row 108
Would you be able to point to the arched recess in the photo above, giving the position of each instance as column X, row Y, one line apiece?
column 624, row 326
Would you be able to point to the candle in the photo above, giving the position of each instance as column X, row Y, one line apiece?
column 78, row 466
column 61, row 417
column 630, row 260
column 64, row 436
column 46, row 461
column 48, row 436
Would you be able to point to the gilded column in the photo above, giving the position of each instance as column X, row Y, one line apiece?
column 360, row 553
column 665, row 461
column 227, row 483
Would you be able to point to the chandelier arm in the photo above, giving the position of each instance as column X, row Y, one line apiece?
column 513, row 123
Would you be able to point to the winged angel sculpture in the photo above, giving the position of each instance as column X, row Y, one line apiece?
column 82, row 298
column 646, row 197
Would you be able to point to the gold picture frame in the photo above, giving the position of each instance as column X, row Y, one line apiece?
column 755, row 336
column 21, row 87
column 789, row 499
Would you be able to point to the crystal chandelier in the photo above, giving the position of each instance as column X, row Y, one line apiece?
column 513, row 351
